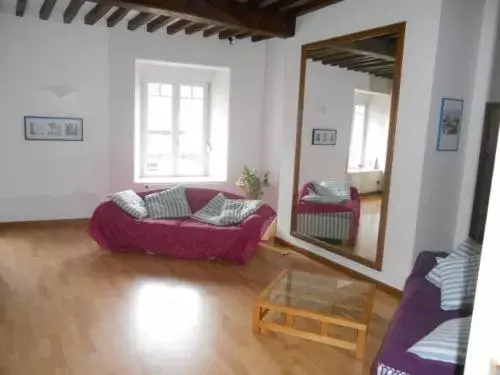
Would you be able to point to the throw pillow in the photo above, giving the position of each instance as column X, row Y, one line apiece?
column 313, row 197
column 168, row 204
column 458, row 281
column 447, row 343
column 221, row 211
column 468, row 248
column 131, row 203
column 338, row 188
column 434, row 276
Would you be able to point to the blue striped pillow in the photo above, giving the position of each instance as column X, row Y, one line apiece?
column 468, row 248
column 338, row 188
column 434, row 276
column 447, row 343
column 458, row 281
column 131, row 203
column 168, row 204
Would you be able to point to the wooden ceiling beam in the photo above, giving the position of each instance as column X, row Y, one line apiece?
column 226, row 34
column 243, row 36
column 72, row 10
column 21, row 7
column 195, row 27
column 158, row 23
column 46, row 9
column 212, row 31
column 139, row 20
column 374, row 64
column 97, row 12
column 117, row 16
column 312, row 5
column 258, row 38
column 177, row 26
column 225, row 13
column 373, row 48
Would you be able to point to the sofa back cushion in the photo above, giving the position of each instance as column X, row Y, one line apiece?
column 168, row 204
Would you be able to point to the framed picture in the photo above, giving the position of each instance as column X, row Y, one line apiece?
column 450, row 124
column 324, row 137
column 53, row 128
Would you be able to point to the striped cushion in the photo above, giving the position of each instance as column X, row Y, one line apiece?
column 168, row 204
column 458, row 281
column 131, row 203
column 314, row 197
column 338, row 188
column 468, row 248
column 434, row 276
column 221, row 211
column 387, row 370
column 447, row 343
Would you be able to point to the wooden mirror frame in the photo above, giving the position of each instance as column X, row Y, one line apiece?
column 397, row 30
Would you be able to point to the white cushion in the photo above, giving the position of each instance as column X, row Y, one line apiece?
column 434, row 276
column 131, row 203
column 168, row 204
column 446, row 343
column 338, row 188
column 326, row 198
column 458, row 281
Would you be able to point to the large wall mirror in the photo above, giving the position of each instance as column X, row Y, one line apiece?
column 348, row 103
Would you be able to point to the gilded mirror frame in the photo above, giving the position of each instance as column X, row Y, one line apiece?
column 397, row 30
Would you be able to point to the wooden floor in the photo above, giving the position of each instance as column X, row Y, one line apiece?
column 68, row 307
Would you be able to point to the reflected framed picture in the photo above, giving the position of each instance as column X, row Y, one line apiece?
column 38, row 128
column 324, row 137
column 450, row 124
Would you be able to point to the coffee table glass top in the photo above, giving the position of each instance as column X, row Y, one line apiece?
column 320, row 294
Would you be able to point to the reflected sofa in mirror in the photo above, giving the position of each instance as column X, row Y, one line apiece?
column 348, row 102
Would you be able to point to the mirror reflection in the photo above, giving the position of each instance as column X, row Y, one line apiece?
column 343, row 144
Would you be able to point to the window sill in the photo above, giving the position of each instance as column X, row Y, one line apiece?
column 179, row 180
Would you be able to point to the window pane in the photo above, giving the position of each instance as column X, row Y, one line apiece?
column 359, row 109
column 160, row 113
column 159, row 155
column 153, row 89
column 191, row 147
column 166, row 90
column 198, row 92
column 185, row 91
column 356, row 146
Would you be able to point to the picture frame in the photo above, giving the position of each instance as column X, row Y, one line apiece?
column 450, row 124
column 324, row 137
column 38, row 128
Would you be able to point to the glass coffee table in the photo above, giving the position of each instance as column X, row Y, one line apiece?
column 314, row 307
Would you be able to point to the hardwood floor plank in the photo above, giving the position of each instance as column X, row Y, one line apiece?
column 69, row 307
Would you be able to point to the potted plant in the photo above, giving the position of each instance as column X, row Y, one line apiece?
column 252, row 183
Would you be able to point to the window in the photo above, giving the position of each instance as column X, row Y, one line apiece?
column 357, row 137
column 175, row 129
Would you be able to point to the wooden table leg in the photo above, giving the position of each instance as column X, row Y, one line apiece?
column 256, row 319
column 361, row 344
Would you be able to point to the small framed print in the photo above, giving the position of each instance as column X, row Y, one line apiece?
column 324, row 137
column 53, row 128
column 450, row 124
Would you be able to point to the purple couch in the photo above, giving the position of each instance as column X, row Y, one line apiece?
column 113, row 229
column 418, row 314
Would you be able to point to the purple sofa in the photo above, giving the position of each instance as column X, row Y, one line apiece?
column 418, row 314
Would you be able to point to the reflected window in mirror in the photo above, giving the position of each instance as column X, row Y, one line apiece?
column 349, row 87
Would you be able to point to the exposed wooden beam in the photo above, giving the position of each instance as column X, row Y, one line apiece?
column 46, row 9
column 139, row 20
column 375, row 64
column 312, row 5
column 376, row 49
column 97, row 12
column 226, row 34
column 226, row 13
column 196, row 27
column 158, row 23
column 21, row 7
column 117, row 16
column 212, row 31
column 244, row 36
column 72, row 10
column 258, row 38
column 177, row 26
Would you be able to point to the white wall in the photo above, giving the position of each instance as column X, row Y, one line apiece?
column 415, row 98
column 52, row 180
column 454, row 78
column 328, row 104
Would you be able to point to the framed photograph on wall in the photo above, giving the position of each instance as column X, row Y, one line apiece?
column 450, row 124
column 38, row 128
column 324, row 137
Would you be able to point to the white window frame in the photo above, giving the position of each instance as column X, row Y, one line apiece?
column 364, row 138
column 176, row 176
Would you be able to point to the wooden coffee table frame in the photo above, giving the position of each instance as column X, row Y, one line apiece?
column 262, row 307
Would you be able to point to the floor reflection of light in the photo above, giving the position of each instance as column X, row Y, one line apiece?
column 166, row 317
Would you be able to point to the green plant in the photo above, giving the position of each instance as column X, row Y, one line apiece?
column 252, row 183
